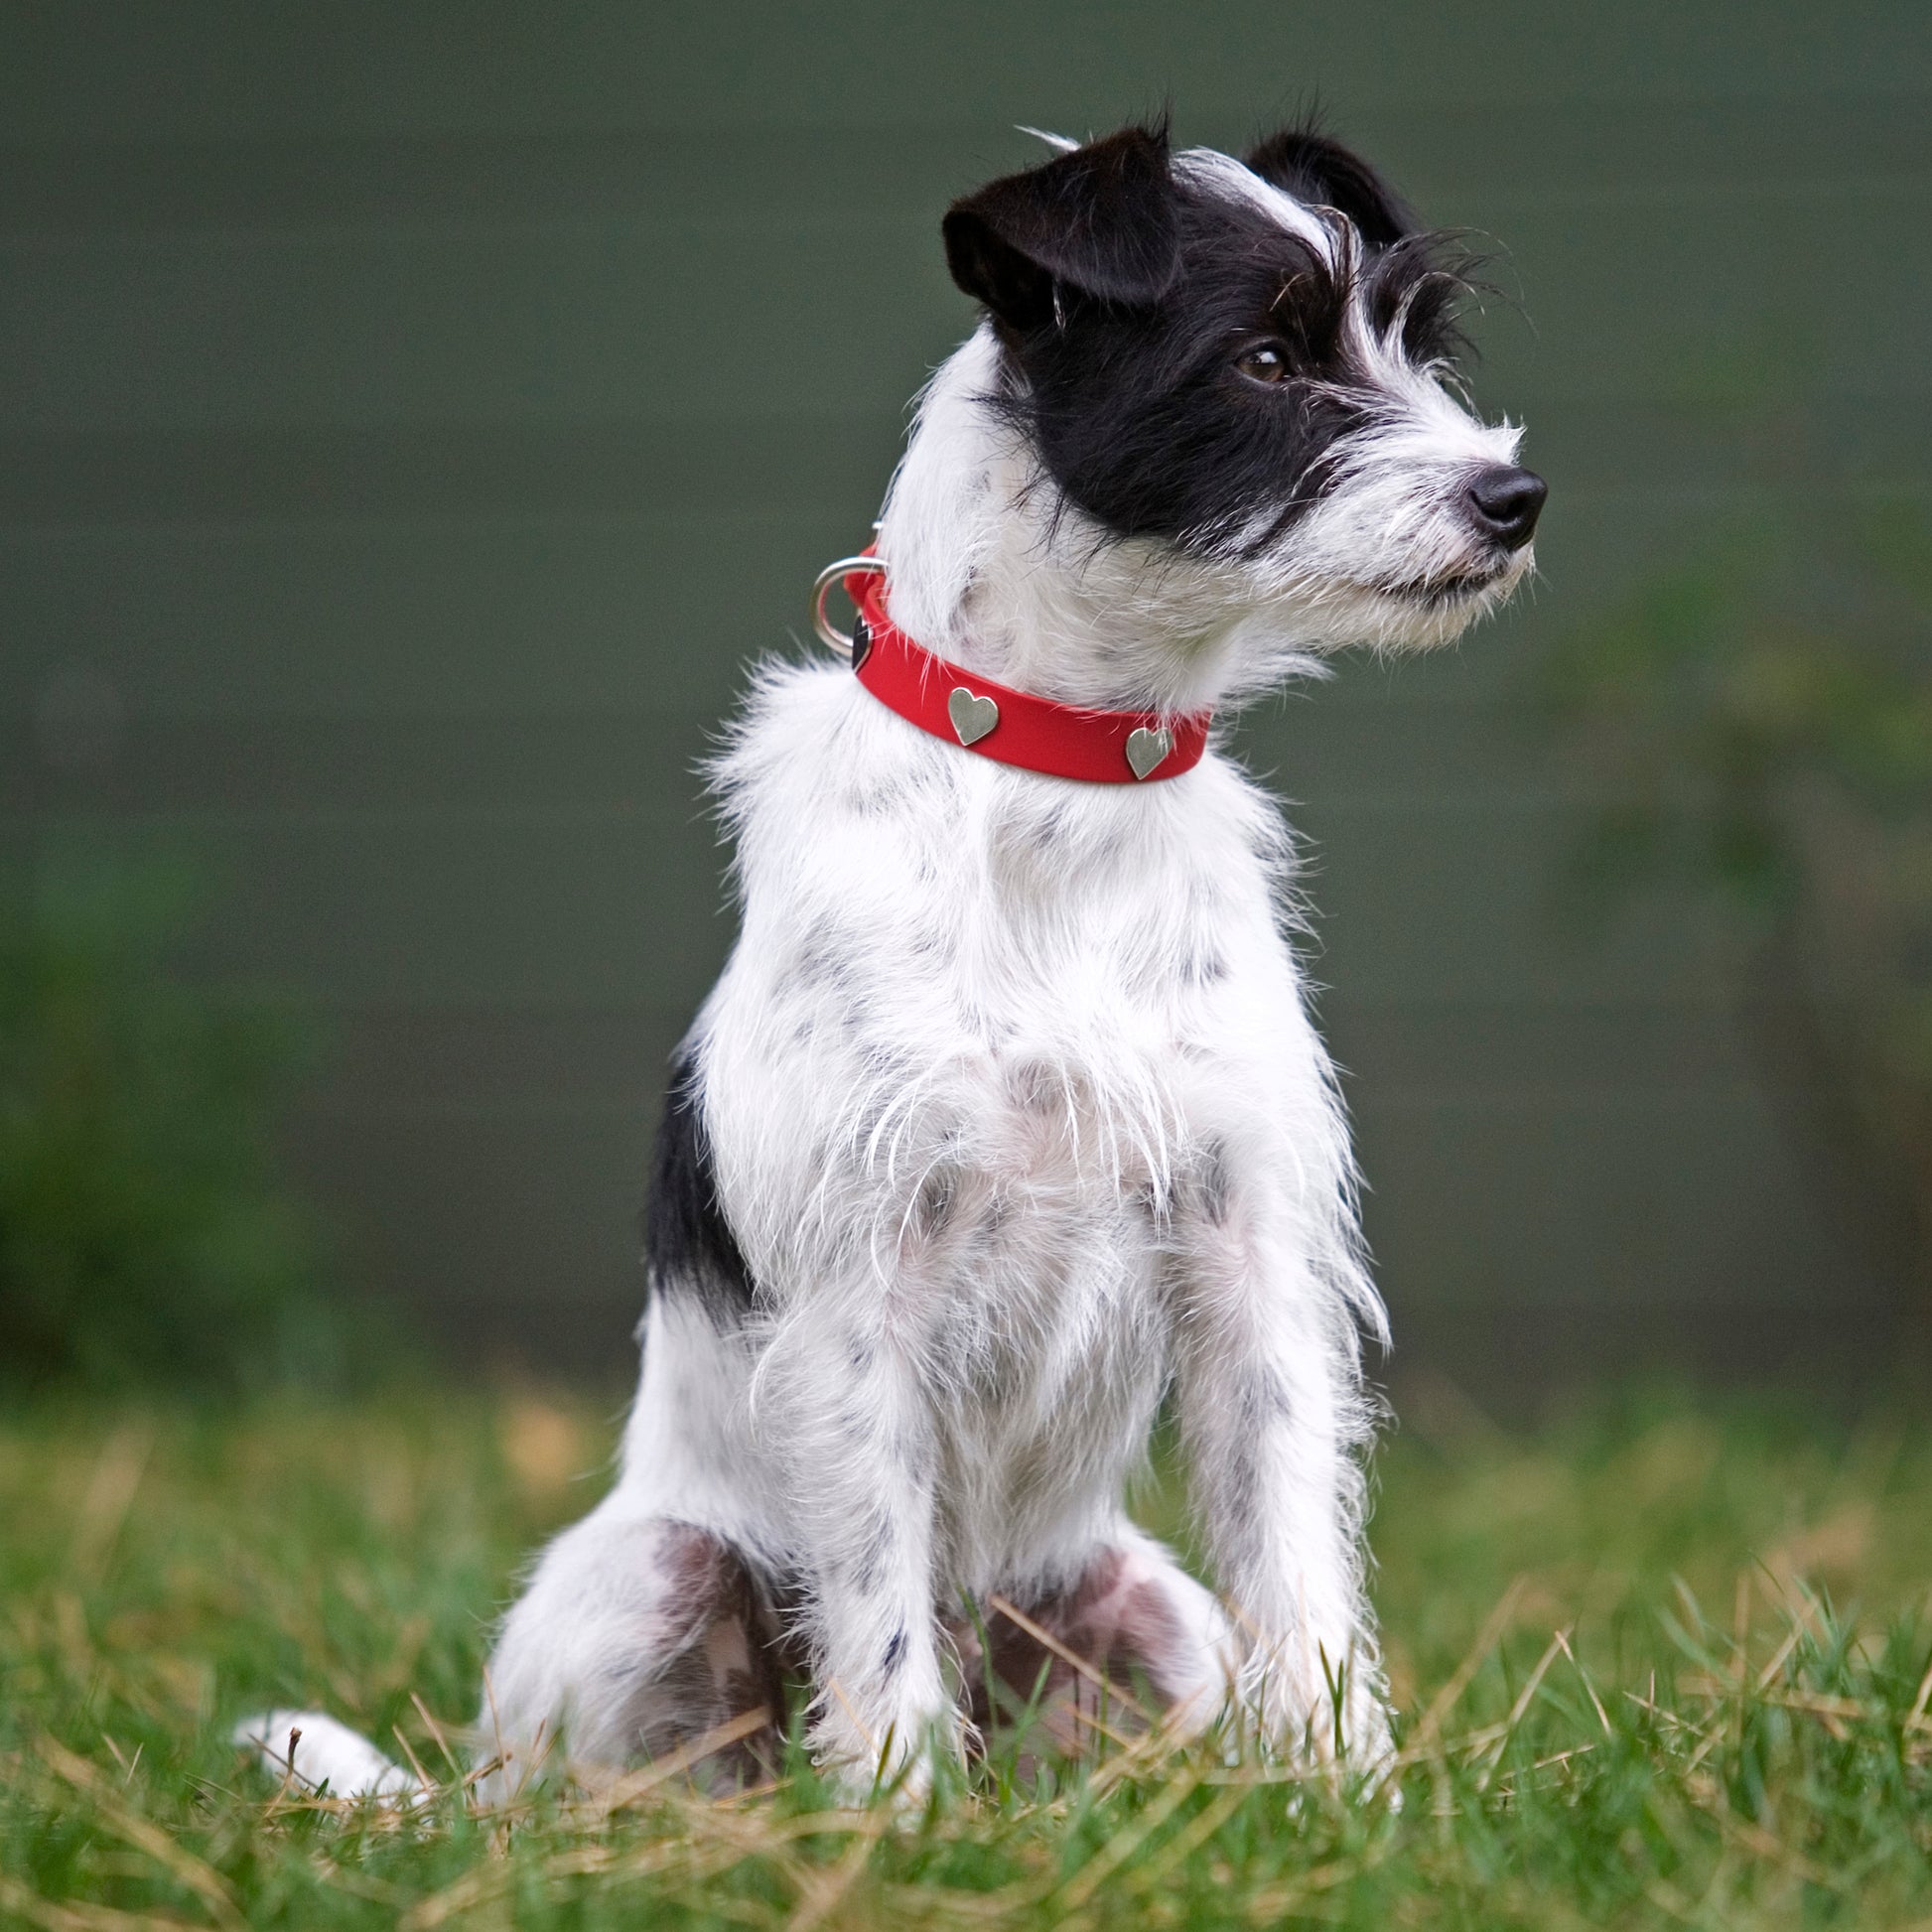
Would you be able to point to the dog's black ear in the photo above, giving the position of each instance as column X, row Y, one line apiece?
column 1315, row 169
column 1098, row 219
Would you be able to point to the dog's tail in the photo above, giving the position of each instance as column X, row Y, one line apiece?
column 311, row 1749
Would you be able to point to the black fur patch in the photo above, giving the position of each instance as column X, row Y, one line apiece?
column 689, row 1246
column 1129, row 389
column 1322, row 173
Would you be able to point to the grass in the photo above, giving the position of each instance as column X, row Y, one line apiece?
column 1663, row 1668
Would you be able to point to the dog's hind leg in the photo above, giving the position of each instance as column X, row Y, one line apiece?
column 638, row 1636
column 1131, row 1639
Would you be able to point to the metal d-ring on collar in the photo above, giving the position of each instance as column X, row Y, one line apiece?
column 827, row 633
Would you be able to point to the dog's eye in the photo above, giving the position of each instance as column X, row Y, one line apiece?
column 1263, row 362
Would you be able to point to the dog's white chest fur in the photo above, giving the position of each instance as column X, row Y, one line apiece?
column 1001, row 1063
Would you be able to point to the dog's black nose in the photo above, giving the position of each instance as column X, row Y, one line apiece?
column 1507, row 503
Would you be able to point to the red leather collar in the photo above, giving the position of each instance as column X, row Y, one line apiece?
column 1014, row 727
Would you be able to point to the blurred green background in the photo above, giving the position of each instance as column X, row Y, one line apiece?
column 413, row 419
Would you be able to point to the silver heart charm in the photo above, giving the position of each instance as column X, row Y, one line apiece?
column 1146, row 749
column 972, row 716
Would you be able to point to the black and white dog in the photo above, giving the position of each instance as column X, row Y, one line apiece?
column 1006, row 1121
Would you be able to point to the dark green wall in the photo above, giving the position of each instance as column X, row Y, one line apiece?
column 412, row 419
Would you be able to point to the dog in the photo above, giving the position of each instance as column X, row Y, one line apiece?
column 1007, row 1123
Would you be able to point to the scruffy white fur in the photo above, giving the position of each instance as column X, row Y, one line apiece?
column 1021, row 1121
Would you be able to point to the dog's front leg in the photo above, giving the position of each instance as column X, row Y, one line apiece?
column 862, row 1485
column 1270, row 1412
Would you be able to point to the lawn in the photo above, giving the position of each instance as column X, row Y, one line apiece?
column 1667, row 1666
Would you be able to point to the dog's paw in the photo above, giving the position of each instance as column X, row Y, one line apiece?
column 1309, row 1720
column 312, row 1752
column 893, row 1765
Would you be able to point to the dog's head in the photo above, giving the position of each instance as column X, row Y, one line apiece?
column 1250, row 364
